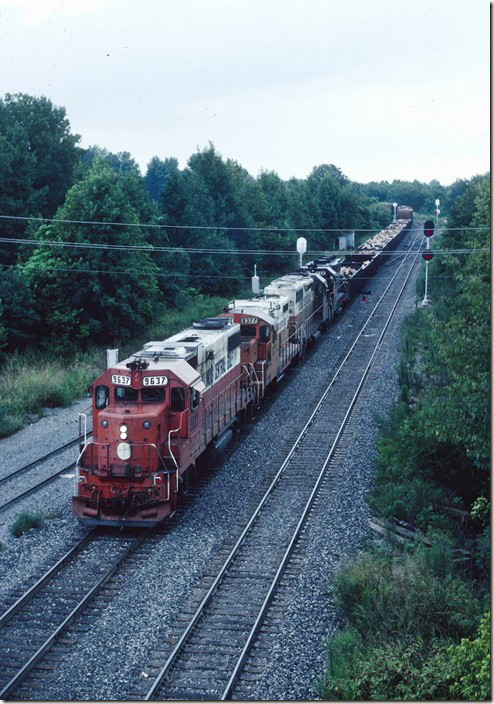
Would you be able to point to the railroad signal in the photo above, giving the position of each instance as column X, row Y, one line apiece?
column 427, row 254
column 428, row 228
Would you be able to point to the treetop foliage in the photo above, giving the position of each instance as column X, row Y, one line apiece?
column 80, row 294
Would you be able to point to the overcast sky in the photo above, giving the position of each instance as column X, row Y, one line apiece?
column 383, row 89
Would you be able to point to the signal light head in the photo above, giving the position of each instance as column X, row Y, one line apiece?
column 428, row 228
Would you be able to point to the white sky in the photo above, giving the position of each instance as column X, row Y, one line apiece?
column 383, row 89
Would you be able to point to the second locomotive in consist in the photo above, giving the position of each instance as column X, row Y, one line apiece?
column 157, row 414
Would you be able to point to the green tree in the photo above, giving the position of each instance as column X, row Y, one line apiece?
column 37, row 159
column 49, row 140
column 156, row 174
column 187, row 204
column 19, row 319
column 91, row 288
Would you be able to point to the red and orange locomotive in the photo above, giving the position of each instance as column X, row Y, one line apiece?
column 158, row 413
column 153, row 416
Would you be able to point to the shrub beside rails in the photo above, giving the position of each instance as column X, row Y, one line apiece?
column 162, row 412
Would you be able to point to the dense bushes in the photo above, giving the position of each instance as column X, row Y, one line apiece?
column 411, row 632
column 412, row 617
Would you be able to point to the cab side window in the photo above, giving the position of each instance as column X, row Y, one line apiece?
column 264, row 333
column 194, row 399
column 101, row 397
column 177, row 399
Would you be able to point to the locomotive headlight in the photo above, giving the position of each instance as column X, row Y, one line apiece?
column 124, row 451
column 146, row 424
column 123, row 432
column 104, row 423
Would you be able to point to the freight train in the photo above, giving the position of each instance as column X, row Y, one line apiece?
column 160, row 413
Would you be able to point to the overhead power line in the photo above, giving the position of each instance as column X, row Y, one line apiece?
column 190, row 274
column 268, row 228
column 150, row 249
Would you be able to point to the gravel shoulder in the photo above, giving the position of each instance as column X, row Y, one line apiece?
column 109, row 658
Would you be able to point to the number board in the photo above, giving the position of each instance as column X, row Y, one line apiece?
column 154, row 380
column 248, row 321
column 121, row 380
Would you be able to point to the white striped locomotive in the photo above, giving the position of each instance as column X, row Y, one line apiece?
column 160, row 413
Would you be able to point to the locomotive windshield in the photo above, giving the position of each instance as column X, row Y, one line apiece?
column 248, row 330
column 150, row 394
column 126, row 394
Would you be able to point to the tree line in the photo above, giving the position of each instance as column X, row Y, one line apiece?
column 418, row 617
column 148, row 238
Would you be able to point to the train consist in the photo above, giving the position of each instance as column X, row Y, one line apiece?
column 160, row 413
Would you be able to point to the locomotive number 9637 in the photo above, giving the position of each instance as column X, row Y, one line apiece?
column 155, row 381
column 121, row 380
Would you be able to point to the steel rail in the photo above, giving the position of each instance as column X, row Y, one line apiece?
column 34, row 488
column 7, row 615
column 269, row 596
column 206, row 599
column 40, row 460
column 37, row 656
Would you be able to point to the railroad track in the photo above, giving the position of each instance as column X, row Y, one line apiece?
column 209, row 646
column 40, row 617
column 33, row 466
column 69, row 468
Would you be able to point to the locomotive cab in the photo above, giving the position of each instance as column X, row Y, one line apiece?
column 142, row 412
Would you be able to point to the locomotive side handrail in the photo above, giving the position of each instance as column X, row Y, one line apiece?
column 253, row 379
column 209, row 409
column 262, row 383
column 77, row 476
column 176, row 430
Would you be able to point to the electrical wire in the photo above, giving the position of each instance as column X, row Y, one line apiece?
column 269, row 228
column 197, row 250
column 192, row 275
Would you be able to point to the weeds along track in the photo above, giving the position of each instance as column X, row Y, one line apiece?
column 212, row 639
column 40, row 617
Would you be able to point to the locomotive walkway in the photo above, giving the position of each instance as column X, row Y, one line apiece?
column 206, row 654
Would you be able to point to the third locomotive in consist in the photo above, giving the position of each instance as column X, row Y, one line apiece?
column 157, row 414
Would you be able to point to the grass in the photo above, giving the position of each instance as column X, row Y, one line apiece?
column 32, row 381
column 24, row 522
